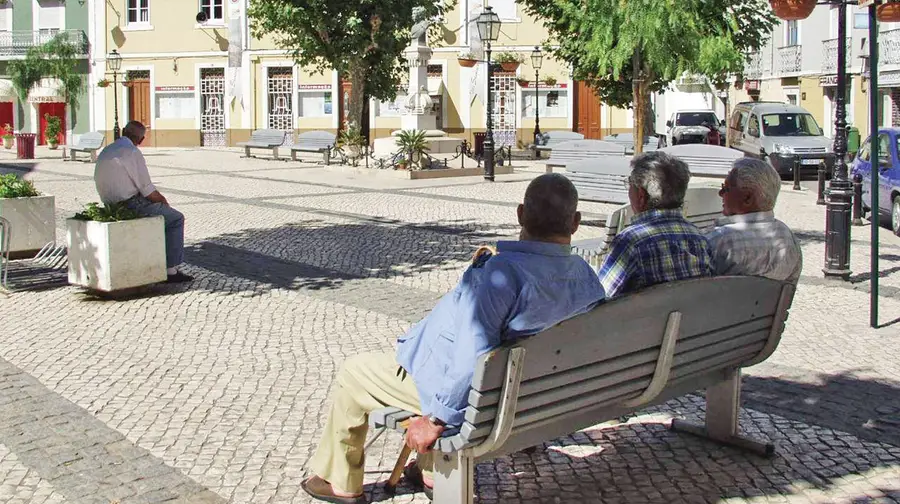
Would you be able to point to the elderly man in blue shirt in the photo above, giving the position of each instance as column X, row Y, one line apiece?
column 524, row 288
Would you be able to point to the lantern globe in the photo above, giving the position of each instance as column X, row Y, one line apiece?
column 537, row 58
column 114, row 61
column 488, row 25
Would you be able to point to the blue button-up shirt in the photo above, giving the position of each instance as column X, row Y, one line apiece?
column 527, row 287
column 659, row 246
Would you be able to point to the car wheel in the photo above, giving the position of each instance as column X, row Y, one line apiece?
column 895, row 216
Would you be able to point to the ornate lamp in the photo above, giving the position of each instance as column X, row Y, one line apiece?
column 114, row 64
column 489, row 31
column 537, row 59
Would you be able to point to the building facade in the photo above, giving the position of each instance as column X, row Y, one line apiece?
column 25, row 24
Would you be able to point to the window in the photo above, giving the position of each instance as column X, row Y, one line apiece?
column 884, row 150
column 138, row 11
column 176, row 105
column 753, row 128
column 51, row 16
column 792, row 33
column 861, row 21
column 5, row 17
column 790, row 125
column 552, row 103
column 315, row 103
column 214, row 9
column 696, row 119
column 864, row 150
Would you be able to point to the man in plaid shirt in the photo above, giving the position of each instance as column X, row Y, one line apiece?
column 660, row 245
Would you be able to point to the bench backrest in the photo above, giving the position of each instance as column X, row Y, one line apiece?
column 269, row 136
column 91, row 141
column 321, row 139
column 706, row 160
column 601, row 178
column 577, row 150
column 554, row 138
column 606, row 363
column 627, row 139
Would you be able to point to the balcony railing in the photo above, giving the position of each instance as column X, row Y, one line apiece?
column 753, row 68
column 889, row 47
column 789, row 59
column 830, row 56
column 17, row 43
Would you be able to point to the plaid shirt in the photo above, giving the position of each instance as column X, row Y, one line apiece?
column 659, row 246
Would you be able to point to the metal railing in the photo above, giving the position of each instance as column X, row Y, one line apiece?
column 790, row 59
column 830, row 55
column 889, row 47
column 18, row 42
column 753, row 68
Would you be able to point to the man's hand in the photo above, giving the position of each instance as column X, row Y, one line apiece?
column 156, row 197
column 421, row 434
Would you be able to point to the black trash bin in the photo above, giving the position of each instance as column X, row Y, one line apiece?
column 25, row 145
column 479, row 144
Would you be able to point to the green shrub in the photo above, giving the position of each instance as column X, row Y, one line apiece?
column 106, row 213
column 12, row 186
column 509, row 57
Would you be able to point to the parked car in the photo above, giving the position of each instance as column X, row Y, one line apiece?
column 693, row 127
column 779, row 133
column 888, row 172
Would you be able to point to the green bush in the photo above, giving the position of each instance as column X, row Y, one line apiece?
column 509, row 57
column 12, row 186
column 109, row 213
column 54, row 127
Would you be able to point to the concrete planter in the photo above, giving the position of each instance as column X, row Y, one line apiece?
column 111, row 256
column 32, row 221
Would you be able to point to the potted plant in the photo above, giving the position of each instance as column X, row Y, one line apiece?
column 31, row 215
column 351, row 141
column 103, row 83
column 791, row 10
column 522, row 82
column 550, row 81
column 509, row 62
column 112, row 248
column 414, row 144
column 8, row 137
column 54, row 128
column 467, row 59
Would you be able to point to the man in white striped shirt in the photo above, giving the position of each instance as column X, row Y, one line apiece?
column 749, row 240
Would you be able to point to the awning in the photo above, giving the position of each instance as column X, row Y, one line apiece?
column 7, row 91
column 47, row 91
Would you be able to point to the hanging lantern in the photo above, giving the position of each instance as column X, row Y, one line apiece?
column 792, row 10
column 889, row 12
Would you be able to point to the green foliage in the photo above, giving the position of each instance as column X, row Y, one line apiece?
column 109, row 213
column 12, row 186
column 414, row 144
column 550, row 80
column 467, row 55
column 58, row 59
column 509, row 57
column 54, row 127
column 351, row 137
column 362, row 39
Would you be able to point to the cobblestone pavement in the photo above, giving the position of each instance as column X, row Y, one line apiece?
column 216, row 391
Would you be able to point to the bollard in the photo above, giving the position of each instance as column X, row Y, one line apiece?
column 797, row 173
column 857, row 200
column 821, row 198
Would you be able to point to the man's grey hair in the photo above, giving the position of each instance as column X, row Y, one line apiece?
column 134, row 130
column 664, row 177
column 551, row 202
column 758, row 178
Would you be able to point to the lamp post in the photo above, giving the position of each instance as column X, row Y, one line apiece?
column 537, row 58
column 114, row 63
column 489, row 31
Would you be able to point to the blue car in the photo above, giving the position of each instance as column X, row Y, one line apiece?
column 889, row 173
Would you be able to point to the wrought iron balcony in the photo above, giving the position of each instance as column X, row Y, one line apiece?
column 830, row 56
column 753, row 68
column 17, row 43
column 889, row 47
column 789, row 59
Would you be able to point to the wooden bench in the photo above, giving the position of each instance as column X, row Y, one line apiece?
column 88, row 142
column 600, row 179
column 702, row 206
column 320, row 142
column 268, row 139
column 705, row 160
column 625, row 355
column 627, row 139
column 579, row 150
column 552, row 139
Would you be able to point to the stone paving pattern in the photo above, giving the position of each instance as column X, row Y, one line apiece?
column 216, row 391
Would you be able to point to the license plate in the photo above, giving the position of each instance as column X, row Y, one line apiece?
column 811, row 161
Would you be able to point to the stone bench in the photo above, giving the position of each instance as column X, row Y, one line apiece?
column 88, row 143
column 553, row 138
column 627, row 140
column 625, row 355
column 600, row 179
column 268, row 139
column 705, row 160
column 320, row 142
column 580, row 150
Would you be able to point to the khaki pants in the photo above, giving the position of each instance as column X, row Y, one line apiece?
column 365, row 383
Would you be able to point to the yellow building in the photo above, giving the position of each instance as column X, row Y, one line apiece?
column 196, row 76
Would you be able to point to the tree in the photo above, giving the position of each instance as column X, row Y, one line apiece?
column 362, row 39
column 627, row 49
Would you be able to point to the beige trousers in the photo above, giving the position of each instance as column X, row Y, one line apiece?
column 365, row 383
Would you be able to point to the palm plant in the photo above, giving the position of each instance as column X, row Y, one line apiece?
column 414, row 144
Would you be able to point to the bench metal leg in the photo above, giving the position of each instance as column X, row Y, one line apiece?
column 549, row 169
column 454, row 478
column 293, row 155
column 723, row 402
column 93, row 156
column 275, row 153
column 246, row 152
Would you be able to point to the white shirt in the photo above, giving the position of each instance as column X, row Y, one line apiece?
column 756, row 244
column 121, row 172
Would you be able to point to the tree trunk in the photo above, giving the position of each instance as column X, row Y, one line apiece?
column 639, row 99
column 358, row 74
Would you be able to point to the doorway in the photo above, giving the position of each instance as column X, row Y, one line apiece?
column 55, row 109
column 587, row 112
column 139, row 101
column 7, row 116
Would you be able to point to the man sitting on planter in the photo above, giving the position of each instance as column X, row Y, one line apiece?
column 121, row 176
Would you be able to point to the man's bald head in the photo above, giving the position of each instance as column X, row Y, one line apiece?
column 550, row 209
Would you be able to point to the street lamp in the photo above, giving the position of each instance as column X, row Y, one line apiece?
column 537, row 58
column 489, row 31
column 114, row 64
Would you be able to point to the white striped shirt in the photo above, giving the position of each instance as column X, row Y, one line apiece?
column 756, row 244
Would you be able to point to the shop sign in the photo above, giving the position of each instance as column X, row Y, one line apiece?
column 174, row 89
column 314, row 87
column 889, row 79
column 828, row 81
